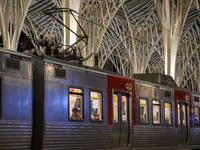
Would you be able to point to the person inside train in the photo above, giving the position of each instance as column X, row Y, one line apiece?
column 96, row 116
column 143, row 118
column 166, row 120
column 196, row 121
column 75, row 114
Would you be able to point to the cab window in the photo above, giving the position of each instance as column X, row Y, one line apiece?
column 75, row 104
column 168, row 114
column 144, row 111
column 156, row 112
column 96, row 113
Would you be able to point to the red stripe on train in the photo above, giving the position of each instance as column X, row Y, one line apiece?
column 184, row 96
column 122, row 84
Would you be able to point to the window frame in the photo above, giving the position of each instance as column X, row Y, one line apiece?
column 97, row 91
column 83, row 116
column 198, row 126
column 171, row 115
column 160, row 112
column 147, row 110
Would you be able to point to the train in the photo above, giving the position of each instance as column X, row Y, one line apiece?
column 52, row 104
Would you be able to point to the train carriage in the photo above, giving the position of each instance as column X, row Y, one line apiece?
column 194, row 131
column 15, row 100
column 48, row 103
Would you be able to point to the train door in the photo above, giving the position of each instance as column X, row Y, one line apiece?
column 121, row 114
column 182, row 123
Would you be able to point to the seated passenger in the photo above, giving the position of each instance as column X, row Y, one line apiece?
column 196, row 121
column 96, row 116
column 143, row 118
column 75, row 114
column 166, row 120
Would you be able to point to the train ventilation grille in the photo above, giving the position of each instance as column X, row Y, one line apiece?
column 12, row 64
column 167, row 94
column 196, row 99
column 60, row 73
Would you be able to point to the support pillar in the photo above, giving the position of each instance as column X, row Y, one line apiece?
column 12, row 15
column 66, row 21
column 172, row 15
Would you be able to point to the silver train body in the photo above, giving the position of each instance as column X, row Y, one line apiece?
column 36, row 95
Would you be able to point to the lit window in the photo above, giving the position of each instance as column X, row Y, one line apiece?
column 143, row 111
column 179, row 116
column 96, row 106
column 196, row 116
column 124, row 109
column 184, row 115
column 156, row 112
column 168, row 113
column 115, row 108
column 75, row 104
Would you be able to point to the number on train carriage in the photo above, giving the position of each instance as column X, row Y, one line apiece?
column 121, row 121
column 182, row 122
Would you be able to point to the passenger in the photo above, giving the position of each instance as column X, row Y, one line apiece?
column 143, row 119
column 196, row 120
column 96, row 116
column 166, row 120
column 75, row 114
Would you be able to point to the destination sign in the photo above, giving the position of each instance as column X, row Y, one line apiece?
column 20, row 57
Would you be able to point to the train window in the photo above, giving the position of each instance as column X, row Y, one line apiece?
column 156, row 112
column 196, row 116
column 124, row 109
column 168, row 114
column 75, row 104
column 144, row 111
column 179, row 116
column 96, row 106
column 115, row 108
column 184, row 114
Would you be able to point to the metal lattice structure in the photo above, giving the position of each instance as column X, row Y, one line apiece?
column 12, row 15
column 149, row 36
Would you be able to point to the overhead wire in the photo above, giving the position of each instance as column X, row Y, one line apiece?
column 109, row 28
column 92, row 22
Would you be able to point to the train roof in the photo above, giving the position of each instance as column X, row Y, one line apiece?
column 152, row 78
column 80, row 66
column 156, row 78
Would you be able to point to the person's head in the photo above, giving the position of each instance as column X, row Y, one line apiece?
column 96, row 116
column 75, row 110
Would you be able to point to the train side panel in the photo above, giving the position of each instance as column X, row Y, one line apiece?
column 148, row 134
column 194, row 137
column 60, row 131
column 16, row 100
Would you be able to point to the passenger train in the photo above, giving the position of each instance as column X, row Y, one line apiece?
column 51, row 104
